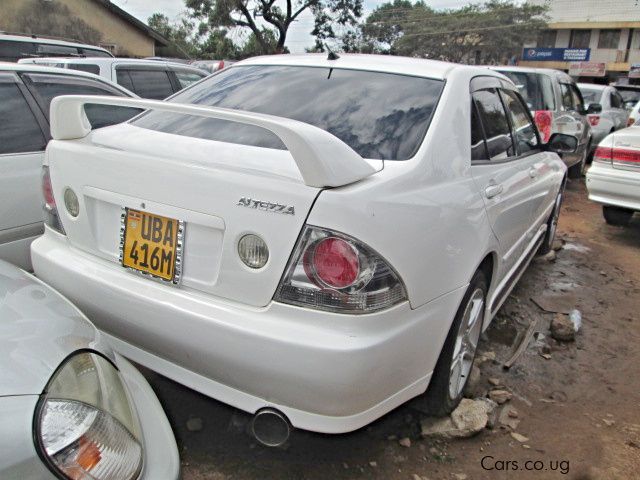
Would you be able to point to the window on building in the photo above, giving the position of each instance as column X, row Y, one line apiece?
column 609, row 38
column 580, row 38
column 547, row 39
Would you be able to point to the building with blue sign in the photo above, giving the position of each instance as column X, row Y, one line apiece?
column 596, row 31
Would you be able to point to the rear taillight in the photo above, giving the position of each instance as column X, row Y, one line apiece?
column 617, row 155
column 630, row 121
column 594, row 120
column 544, row 122
column 221, row 65
column 51, row 217
column 335, row 272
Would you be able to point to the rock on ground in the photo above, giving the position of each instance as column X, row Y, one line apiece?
column 500, row 396
column 562, row 328
column 468, row 419
column 508, row 417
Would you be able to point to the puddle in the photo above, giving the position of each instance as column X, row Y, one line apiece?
column 576, row 247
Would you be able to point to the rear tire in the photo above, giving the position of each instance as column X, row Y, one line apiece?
column 616, row 215
column 552, row 225
column 458, row 353
column 575, row 171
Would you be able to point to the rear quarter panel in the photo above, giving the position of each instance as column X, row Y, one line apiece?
column 425, row 216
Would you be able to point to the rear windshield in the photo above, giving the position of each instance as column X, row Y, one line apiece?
column 535, row 88
column 591, row 95
column 380, row 115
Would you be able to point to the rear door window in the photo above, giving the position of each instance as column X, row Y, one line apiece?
column 524, row 131
column 567, row 98
column 48, row 86
column 13, row 51
column 578, row 103
column 495, row 124
column 187, row 77
column 147, row 83
column 616, row 100
column 49, row 50
column 20, row 130
column 84, row 67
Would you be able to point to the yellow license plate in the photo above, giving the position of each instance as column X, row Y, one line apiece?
column 152, row 244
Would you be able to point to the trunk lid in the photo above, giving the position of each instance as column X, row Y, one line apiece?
column 221, row 191
column 626, row 145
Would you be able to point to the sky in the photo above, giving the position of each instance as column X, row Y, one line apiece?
column 298, row 37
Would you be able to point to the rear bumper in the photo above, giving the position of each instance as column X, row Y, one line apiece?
column 328, row 373
column 614, row 186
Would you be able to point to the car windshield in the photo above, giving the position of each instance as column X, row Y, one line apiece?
column 380, row 115
column 535, row 88
column 591, row 95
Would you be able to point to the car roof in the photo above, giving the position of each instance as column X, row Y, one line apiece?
column 546, row 71
column 593, row 86
column 627, row 87
column 102, row 61
column 49, row 41
column 31, row 68
column 375, row 63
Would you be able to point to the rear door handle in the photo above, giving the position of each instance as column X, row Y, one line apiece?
column 533, row 172
column 493, row 190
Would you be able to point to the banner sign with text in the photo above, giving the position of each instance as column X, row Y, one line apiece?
column 587, row 69
column 556, row 54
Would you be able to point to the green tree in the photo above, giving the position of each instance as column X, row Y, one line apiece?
column 492, row 32
column 181, row 34
column 254, row 14
column 53, row 18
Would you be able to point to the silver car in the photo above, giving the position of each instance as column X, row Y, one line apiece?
column 557, row 107
column 70, row 407
column 613, row 115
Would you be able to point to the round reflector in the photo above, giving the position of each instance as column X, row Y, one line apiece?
column 336, row 262
column 71, row 202
column 253, row 251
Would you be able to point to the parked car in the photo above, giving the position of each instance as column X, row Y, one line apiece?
column 153, row 79
column 614, row 177
column 557, row 107
column 613, row 115
column 630, row 94
column 634, row 114
column 70, row 407
column 257, row 251
column 212, row 66
column 26, row 92
column 15, row 47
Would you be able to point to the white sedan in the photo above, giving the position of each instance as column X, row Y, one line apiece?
column 614, row 177
column 70, row 407
column 313, row 240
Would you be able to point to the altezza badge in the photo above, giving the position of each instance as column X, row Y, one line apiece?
column 266, row 206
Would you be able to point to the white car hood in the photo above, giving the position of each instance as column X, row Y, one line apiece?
column 38, row 330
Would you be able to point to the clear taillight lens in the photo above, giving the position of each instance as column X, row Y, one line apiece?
column 544, row 122
column 50, row 209
column 87, row 428
column 335, row 272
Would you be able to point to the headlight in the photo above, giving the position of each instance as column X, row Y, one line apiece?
column 86, row 427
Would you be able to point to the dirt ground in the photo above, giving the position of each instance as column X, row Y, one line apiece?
column 579, row 408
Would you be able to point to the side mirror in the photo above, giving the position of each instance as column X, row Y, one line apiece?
column 594, row 108
column 560, row 143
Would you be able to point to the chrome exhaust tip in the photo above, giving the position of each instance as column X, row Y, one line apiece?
column 270, row 427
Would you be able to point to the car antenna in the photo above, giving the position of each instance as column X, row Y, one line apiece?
column 331, row 55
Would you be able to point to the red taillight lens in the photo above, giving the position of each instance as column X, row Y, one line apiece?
column 221, row 65
column 603, row 154
column 335, row 262
column 544, row 122
column 47, row 190
column 50, row 210
column 630, row 121
column 594, row 120
column 623, row 155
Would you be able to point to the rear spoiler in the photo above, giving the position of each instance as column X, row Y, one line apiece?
column 322, row 159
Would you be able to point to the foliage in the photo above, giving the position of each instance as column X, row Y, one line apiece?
column 252, row 15
column 492, row 32
column 180, row 34
column 55, row 19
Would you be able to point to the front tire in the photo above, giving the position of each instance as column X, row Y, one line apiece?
column 458, row 353
column 616, row 215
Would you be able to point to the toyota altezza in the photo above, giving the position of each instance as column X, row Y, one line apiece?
column 312, row 240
